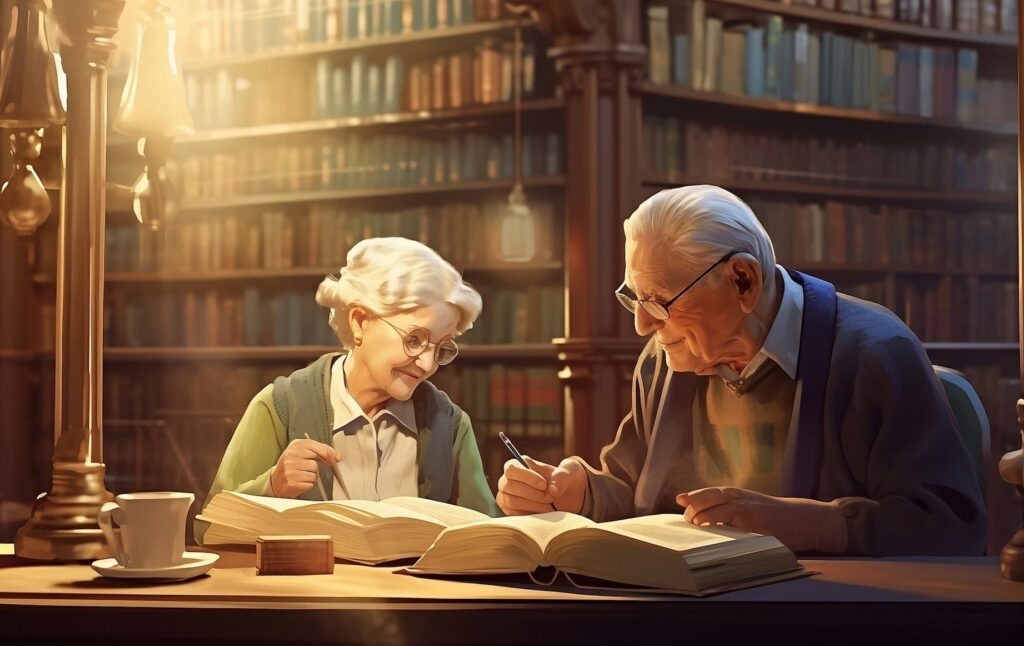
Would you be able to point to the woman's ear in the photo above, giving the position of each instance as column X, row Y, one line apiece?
column 357, row 317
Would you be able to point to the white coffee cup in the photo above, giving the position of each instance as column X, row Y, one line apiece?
column 146, row 530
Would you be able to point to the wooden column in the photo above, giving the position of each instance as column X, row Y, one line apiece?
column 599, row 55
column 63, row 525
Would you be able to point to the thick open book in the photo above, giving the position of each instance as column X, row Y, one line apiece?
column 658, row 553
column 363, row 530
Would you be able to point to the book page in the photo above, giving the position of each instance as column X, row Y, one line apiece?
column 448, row 515
column 541, row 528
column 672, row 532
column 270, row 502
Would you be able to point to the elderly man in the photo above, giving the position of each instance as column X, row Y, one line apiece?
column 767, row 401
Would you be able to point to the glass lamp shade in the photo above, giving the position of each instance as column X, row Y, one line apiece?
column 24, row 203
column 517, row 228
column 153, row 103
column 28, row 79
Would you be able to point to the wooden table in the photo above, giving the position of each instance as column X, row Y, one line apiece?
column 940, row 599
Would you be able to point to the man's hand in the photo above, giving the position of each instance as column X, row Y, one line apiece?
column 296, row 470
column 522, row 491
column 801, row 524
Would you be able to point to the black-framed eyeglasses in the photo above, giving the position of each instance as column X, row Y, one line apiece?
column 417, row 340
column 655, row 308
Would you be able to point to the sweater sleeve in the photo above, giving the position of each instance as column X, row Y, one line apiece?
column 611, row 489
column 473, row 492
column 921, row 495
column 257, row 443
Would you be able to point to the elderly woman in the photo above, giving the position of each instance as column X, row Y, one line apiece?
column 396, row 307
column 767, row 401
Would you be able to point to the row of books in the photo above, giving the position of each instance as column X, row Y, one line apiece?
column 842, row 232
column 361, row 85
column 528, row 314
column 218, row 27
column 137, row 392
column 968, row 16
column 940, row 310
column 365, row 162
column 771, row 60
column 321, row 235
column 259, row 317
column 710, row 152
column 519, row 401
column 211, row 317
column 954, row 311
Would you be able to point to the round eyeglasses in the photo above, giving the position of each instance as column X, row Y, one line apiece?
column 417, row 340
column 656, row 309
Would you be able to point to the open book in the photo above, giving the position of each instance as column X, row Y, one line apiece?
column 363, row 530
column 658, row 553
column 653, row 552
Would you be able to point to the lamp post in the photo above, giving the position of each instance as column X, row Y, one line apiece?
column 1011, row 466
column 63, row 523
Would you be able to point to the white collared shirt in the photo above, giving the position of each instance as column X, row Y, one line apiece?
column 782, row 344
column 378, row 455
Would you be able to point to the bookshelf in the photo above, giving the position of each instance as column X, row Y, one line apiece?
column 425, row 153
column 811, row 13
column 718, row 101
column 870, row 147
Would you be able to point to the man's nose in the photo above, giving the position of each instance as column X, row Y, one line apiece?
column 645, row 323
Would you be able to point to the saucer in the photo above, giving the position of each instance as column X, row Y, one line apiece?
column 192, row 565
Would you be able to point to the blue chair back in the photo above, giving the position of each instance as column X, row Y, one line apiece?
column 970, row 419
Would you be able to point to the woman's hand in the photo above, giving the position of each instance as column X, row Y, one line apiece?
column 297, row 468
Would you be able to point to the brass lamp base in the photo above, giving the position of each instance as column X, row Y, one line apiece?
column 1011, row 559
column 63, row 523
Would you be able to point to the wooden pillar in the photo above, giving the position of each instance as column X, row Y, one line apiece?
column 599, row 56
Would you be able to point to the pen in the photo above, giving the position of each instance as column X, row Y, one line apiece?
column 319, row 484
column 517, row 455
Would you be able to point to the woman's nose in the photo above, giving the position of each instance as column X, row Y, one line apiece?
column 426, row 361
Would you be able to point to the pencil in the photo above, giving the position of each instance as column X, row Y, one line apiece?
column 336, row 470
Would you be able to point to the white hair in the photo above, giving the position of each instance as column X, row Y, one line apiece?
column 688, row 229
column 392, row 275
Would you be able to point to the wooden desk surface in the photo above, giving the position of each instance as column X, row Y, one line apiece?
column 940, row 596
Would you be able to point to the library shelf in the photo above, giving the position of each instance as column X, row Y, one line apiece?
column 416, row 38
column 908, row 270
column 968, row 346
column 881, row 25
column 294, row 273
column 880, row 194
column 367, row 121
column 715, row 100
column 505, row 352
column 17, row 354
column 336, row 195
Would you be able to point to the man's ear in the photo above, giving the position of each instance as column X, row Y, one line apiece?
column 745, row 275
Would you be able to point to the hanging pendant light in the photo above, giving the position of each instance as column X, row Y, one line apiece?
column 517, row 225
column 29, row 102
column 153, row 108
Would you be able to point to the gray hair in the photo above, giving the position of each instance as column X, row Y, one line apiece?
column 393, row 275
column 687, row 229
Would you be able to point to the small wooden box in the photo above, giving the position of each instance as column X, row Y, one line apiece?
column 312, row 554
